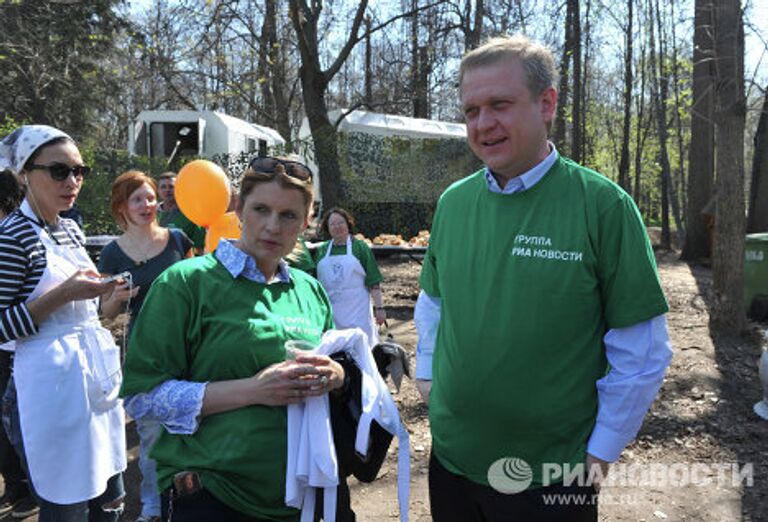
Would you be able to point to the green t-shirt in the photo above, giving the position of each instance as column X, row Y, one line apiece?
column 301, row 258
column 362, row 252
column 176, row 219
column 200, row 324
column 529, row 284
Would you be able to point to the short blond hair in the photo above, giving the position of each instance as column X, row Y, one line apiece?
column 536, row 59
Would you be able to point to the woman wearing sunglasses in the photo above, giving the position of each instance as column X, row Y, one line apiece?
column 207, row 358
column 61, row 406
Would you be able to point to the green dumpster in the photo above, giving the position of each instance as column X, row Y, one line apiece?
column 756, row 275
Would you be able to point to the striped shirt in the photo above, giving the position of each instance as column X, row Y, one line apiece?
column 22, row 263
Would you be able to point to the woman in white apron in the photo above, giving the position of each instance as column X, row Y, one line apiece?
column 67, row 366
column 350, row 276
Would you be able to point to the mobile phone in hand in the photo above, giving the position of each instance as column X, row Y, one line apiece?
column 125, row 276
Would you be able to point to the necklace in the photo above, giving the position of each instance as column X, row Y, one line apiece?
column 141, row 252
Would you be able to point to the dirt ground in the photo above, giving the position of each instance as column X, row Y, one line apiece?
column 703, row 415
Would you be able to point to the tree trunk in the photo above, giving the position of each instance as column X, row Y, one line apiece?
column 576, row 134
column 728, row 257
column 628, row 80
column 415, row 69
column 679, row 189
column 660, row 98
column 641, row 131
column 658, row 92
column 559, row 136
column 368, row 71
column 758, row 195
column 701, row 156
column 314, row 84
column 473, row 30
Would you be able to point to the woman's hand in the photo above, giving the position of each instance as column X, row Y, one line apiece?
column 330, row 373
column 283, row 383
column 380, row 314
column 290, row 382
column 83, row 284
column 113, row 304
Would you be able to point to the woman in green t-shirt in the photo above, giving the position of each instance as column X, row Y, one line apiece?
column 207, row 358
column 350, row 275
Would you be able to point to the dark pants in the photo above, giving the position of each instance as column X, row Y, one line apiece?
column 202, row 506
column 10, row 466
column 89, row 510
column 457, row 499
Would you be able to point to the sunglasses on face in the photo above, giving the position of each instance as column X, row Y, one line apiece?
column 60, row 172
column 294, row 169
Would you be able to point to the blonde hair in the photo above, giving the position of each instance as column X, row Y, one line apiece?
column 252, row 178
column 536, row 59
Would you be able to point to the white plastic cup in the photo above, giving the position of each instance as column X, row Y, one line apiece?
column 295, row 346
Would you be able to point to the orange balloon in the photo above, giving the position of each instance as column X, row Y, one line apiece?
column 202, row 192
column 227, row 226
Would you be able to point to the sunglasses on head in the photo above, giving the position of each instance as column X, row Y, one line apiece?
column 267, row 165
column 60, row 172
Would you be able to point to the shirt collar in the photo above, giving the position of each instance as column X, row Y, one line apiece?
column 26, row 209
column 527, row 179
column 239, row 263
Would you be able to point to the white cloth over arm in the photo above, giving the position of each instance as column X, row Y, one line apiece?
column 311, row 452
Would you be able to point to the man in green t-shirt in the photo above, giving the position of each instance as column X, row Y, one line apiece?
column 170, row 216
column 543, row 308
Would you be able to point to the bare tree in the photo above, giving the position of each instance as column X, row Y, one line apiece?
column 577, row 139
column 758, row 200
column 701, row 156
column 660, row 88
column 628, row 82
column 315, row 81
column 730, row 109
column 559, row 136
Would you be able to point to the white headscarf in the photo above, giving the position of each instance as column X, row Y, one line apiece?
column 18, row 146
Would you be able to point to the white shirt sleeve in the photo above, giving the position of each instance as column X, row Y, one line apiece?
column 638, row 356
column 427, row 319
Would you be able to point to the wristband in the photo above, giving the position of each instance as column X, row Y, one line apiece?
column 378, row 308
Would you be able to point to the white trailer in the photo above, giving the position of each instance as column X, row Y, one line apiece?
column 168, row 134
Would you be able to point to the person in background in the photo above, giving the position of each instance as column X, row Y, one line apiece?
column 301, row 258
column 61, row 408
column 75, row 215
column 349, row 273
column 16, row 498
column 207, row 358
column 145, row 250
column 170, row 216
column 541, row 303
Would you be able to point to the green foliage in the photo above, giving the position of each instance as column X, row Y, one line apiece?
column 54, row 61
column 8, row 125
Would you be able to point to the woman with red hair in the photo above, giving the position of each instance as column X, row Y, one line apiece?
column 145, row 250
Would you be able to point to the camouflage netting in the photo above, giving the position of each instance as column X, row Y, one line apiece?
column 391, row 184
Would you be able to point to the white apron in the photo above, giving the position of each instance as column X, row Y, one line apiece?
column 67, row 380
column 343, row 278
